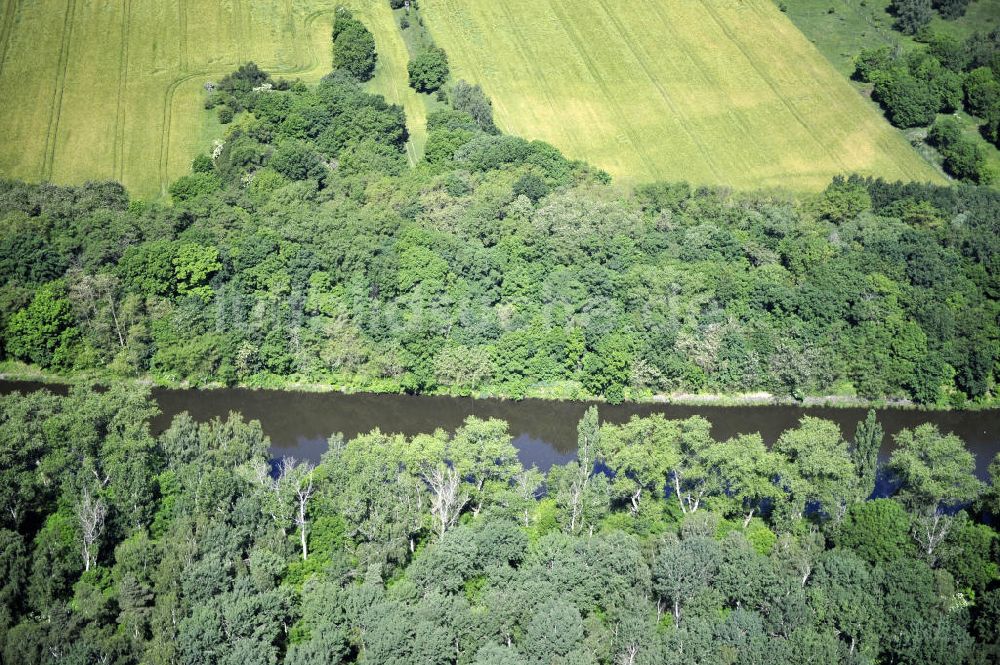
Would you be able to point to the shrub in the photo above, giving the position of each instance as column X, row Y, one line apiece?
column 297, row 161
column 236, row 89
column 963, row 158
column 532, row 186
column 472, row 100
column 991, row 130
column 225, row 115
column 982, row 92
column 942, row 83
column 872, row 60
column 951, row 9
column 878, row 531
column 192, row 186
column 202, row 164
column 949, row 51
column 907, row 101
column 911, row 15
column 429, row 70
column 353, row 46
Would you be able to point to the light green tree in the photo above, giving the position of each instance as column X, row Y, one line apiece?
column 816, row 468
column 745, row 474
column 193, row 266
column 484, row 457
column 937, row 473
column 640, row 453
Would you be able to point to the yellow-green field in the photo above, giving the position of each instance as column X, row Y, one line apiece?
column 114, row 89
column 709, row 91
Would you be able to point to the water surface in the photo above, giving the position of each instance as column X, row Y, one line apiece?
column 299, row 424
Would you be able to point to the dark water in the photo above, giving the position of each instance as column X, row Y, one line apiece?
column 299, row 424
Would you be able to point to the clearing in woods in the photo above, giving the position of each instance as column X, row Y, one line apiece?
column 96, row 89
column 708, row 91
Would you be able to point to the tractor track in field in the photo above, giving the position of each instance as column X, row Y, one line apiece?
column 884, row 142
column 581, row 48
column 538, row 73
column 641, row 58
column 182, row 20
column 7, row 29
column 118, row 165
column 238, row 22
column 312, row 61
column 702, row 68
column 59, row 90
column 168, row 103
column 764, row 76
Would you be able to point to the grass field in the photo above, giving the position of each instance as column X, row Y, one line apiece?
column 710, row 91
column 99, row 89
column 720, row 92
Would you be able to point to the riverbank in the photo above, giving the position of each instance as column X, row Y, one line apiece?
column 558, row 392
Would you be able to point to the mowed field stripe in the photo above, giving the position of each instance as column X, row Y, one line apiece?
column 531, row 64
column 834, row 91
column 60, row 88
column 700, row 67
column 165, row 131
column 766, row 78
column 118, row 168
column 581, row 47
column 643, row 59
column 6, row 28
column 182, row 21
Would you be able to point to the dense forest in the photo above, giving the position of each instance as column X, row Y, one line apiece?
column 304, row 250
column 658, row 545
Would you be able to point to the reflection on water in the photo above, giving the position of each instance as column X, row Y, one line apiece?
column 544, row 432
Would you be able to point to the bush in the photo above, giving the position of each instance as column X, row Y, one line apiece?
column 532, row 186
column 472, row 100
column 991, row 130
column 878, row 531
column 225, row 115
column 353, row 46
column 297, row 161
column 911, row 15
column 982, row 92
column 192, row 186
column 907, row 101
column 236, row 89
column 872, row 60
column 951, row 9
column 949, row 51
column 962, row 157
column 943, row 84
column 429, row 70
column 202, row 164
